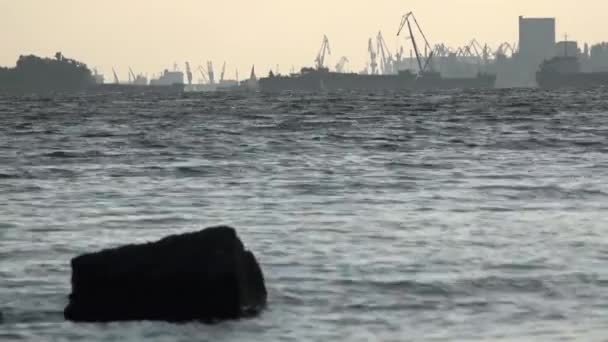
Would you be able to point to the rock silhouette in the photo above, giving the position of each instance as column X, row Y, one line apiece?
column 206, row 275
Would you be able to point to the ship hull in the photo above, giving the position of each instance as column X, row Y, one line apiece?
column 480, row 82
column 580, row 80
column 314, row 82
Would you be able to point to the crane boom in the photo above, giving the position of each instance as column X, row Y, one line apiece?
column 188, row 73
column 223, row 72
column 387, row 57
column 202, row 71
column 341, row 64
column 474, row 46
column 325, row 50
column 372, row 56
column 405, row 20
column 502, row 49
column 210, row 72
column 380, row 50
column 409, row 26
column 115, row 76
column 132, row 75
column 426, row 41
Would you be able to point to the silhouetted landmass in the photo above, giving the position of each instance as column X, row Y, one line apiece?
column 36, row 74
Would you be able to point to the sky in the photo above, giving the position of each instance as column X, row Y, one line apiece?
column 151, row 35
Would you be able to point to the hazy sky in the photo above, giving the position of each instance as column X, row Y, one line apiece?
column 150, row 35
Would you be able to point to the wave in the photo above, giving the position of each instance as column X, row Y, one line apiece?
column 62, row 154
column 73, row 154
column 192, row 171
column 99, row 135
column 548, row 284
column 554, row 191
column 23, row 175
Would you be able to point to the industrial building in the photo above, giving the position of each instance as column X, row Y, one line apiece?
column 536, row 38
column 536, row 44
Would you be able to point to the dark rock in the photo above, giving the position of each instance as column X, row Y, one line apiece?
column 206, row 275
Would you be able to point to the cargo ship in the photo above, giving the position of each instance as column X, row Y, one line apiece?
column 168, row 78
column 321, row 79
column 565, row 72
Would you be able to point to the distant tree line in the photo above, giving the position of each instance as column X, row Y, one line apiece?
column 35, row 74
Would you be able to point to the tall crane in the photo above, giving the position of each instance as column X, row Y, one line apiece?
column 203, row 75
column 325, row 50
column 487, row 53
column 210, row 72
column 372, row 56
column 252, row 76
column 223, row 72
column 405, row 20
column 441, row 50
column 188, row 73
column 503, row 48
column 341, row 64
column 132, row 76
column 399, row 55
column 474, row 46
column 115, row 76
column 387, row 58
column 461, row 52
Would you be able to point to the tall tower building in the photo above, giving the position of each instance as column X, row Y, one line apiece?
column 536, row 44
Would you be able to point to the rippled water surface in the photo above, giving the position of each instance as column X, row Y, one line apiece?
column 384, row 217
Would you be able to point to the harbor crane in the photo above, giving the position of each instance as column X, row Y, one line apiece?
column 223, row 72
column 399, row 55
column 460, row 52
column 387, row 58
column 210, row 72
column 188, row 73
column 252, row 76
column 441, row 50
column 340, row 67
column 372, row 56
column 487, row 53
column 325, row 50
column 201, row 70
column 503, row 48
column 115, row 76
column 473, row 49
column 406, row 20
column 132, row 76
